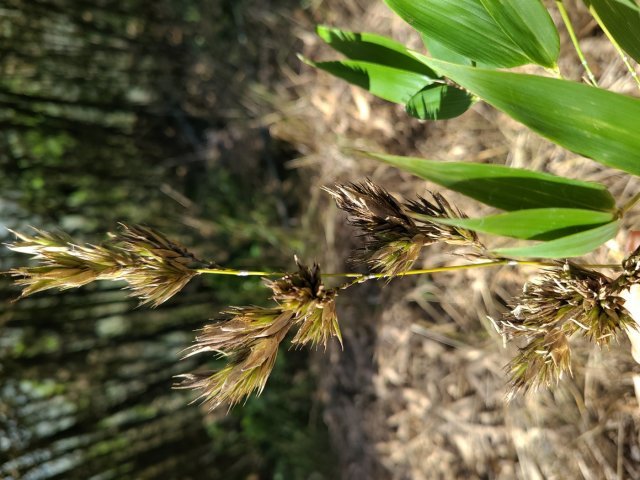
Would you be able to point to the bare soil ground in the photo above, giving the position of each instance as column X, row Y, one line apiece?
column 419, row 390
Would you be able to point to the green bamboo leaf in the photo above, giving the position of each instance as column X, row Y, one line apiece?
column 596, row 123
column 392, row 84
column 528, row 24
column 505, row 187
column 439, row 51
column 622, row 20
column 532, row 224
column 439, row 102
column 573, row 245
column 463, row 26
column 372, row 48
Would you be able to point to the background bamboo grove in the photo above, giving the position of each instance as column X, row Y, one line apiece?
column 132, row 111
column 218, row 127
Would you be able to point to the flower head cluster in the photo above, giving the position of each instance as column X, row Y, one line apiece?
column 62, row 263
column 249, row 337
column 312, row 304
column 395, row 232
column 564, row 301
column 160, row 267
column 154, row 267
column 631, row 271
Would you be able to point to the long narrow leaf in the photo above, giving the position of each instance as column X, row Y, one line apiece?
column 391, row 84
column 570, row 246
column 622, row 19
column 463, row 26
column 439, row 51
column 596, row 123
column 372, row 48
column 505, row 187
column 533, row 224
column 528, row 24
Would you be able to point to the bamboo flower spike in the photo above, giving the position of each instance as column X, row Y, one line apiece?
column 564, row 301
column 312, row 304
column 250, row 336
column 160, row 267
column 393, row 237
column 154, row 267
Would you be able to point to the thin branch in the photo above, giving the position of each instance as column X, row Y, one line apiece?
column 362, row 277
column 572, row 34
column 616, row 45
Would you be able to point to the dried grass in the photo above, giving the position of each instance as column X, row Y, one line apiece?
column 419, row 391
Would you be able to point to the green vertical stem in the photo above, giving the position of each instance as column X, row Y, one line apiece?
column 574, row 40
column 616, row 45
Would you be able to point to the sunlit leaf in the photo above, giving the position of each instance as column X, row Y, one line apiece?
column 528, row 24
column 372, row 48
column 391, row 84
column 532, row 224
column 439, row 51
column 504, row 187
column 463, row 26
column 596, row 123
column 439, row 102
column 573, row 245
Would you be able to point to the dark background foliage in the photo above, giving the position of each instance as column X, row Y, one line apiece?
column 144, row 112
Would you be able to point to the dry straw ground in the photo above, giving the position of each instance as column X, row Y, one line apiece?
column 418, row 392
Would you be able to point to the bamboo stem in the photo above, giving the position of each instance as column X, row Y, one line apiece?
column 363, row 277
column 616, row 45
column 576, row 45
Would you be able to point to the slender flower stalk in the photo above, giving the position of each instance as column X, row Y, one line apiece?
column 408, row 273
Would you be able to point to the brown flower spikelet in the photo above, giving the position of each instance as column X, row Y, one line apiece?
column 393, row 237
column 250, row 338
column 441, row 208
column 160, row 267
column 239, row 328
column 630, row 271
column 154, row 267
column 312, row 304
column 540, row 363
column 564, row 301
column 62, row 263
